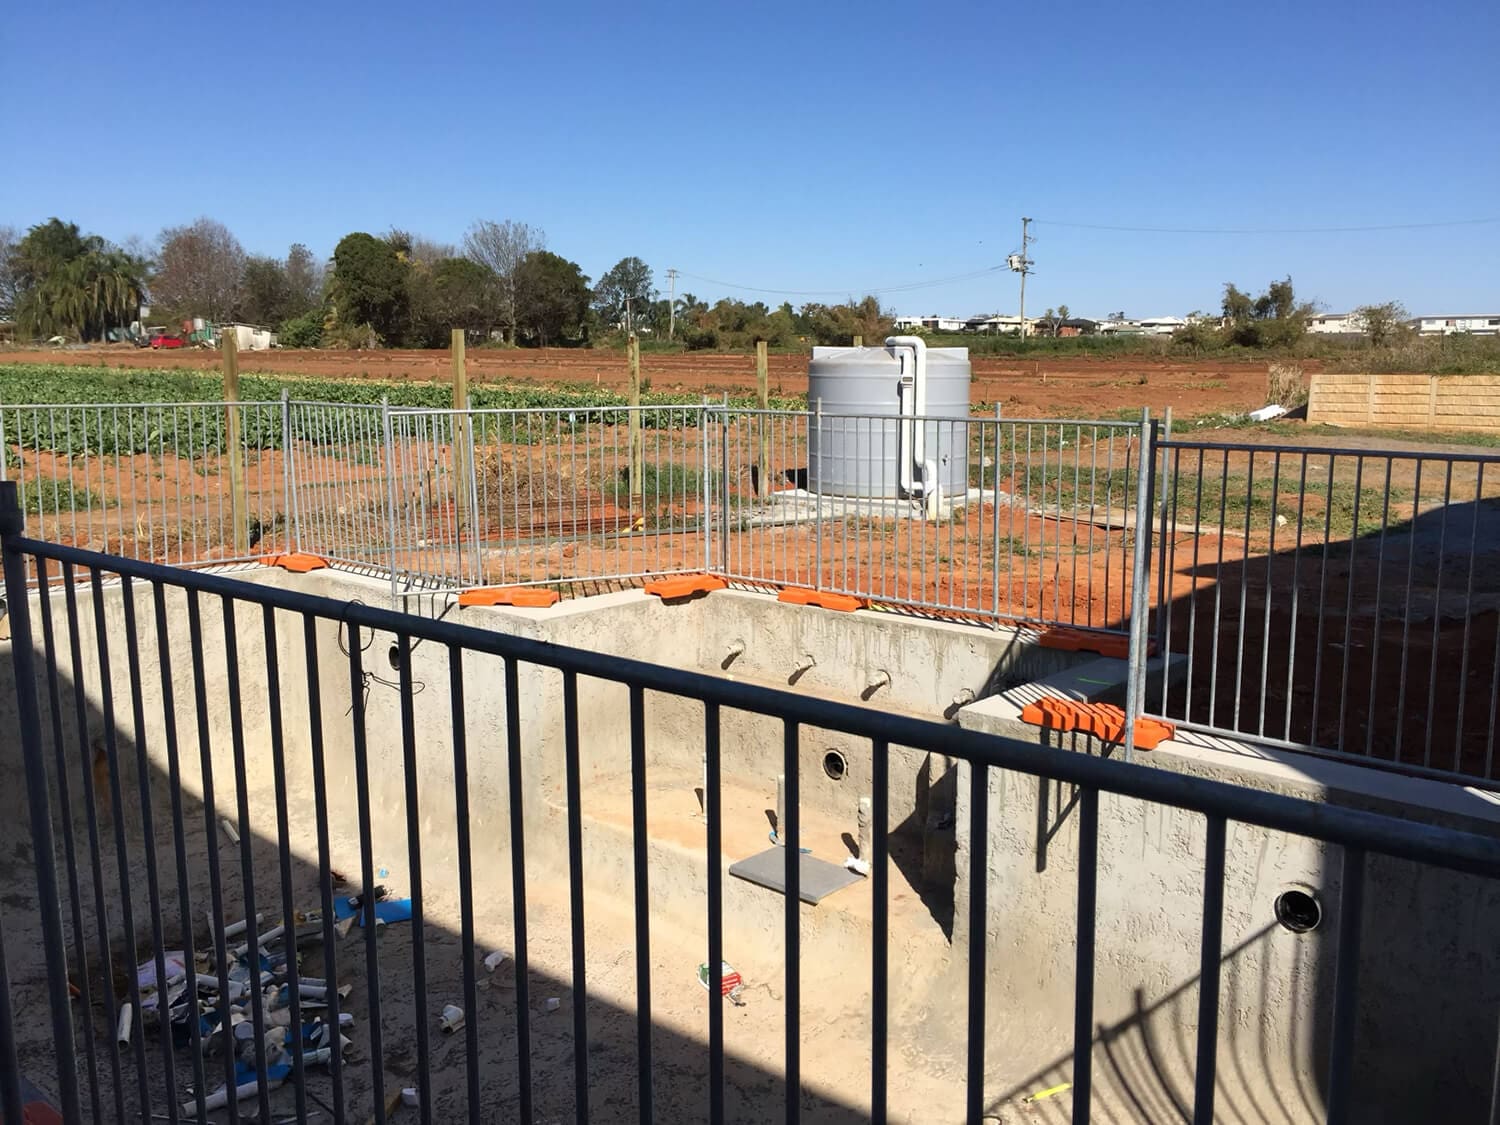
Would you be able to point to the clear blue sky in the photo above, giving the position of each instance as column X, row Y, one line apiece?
column 804, row 146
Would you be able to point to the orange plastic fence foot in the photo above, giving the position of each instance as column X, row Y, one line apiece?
column 1102, row 720
column 296, row 563
column 525, row 597
column 844, row 603
column 1068, row 639
column 684, row 586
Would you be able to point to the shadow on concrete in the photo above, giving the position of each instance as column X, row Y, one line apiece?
column 101, row 949
column 1143, row 1064
column 1383, row 644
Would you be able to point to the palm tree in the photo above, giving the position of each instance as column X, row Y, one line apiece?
column 689, row 308
column 84, row 296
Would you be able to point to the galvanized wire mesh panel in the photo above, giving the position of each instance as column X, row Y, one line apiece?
column 1334, row 599
column 1029, row 521
column 183, row 483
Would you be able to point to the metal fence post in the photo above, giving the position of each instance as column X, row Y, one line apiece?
column 724, row 485
column 637, row 475
column 763, row 403
column 463, row 445
column 390, row 489
column 38, row 799
column 818, row 499
column 704, row 487
column 476, row 517
column 994, row 517
column 1136, row 666
column 288, row 476
column 234, row 446
column 1167, row 484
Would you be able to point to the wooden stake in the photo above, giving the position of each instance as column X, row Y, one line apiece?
column 233, row 443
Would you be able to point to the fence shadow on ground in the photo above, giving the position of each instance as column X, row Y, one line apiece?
column 101, row 955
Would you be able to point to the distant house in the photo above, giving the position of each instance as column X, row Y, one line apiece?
column 1149, row 326
column 1336, row 324
column 1076, row 326
column 1478, row 324
column 932, row 323
column 999, row 325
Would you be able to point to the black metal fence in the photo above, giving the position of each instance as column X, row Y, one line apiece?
column 206, row 1010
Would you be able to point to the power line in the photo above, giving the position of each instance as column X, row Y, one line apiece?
column 1272, row 230
column 905, row 288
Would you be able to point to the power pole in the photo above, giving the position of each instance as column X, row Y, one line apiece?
column 671, row 303
column 1023, row 267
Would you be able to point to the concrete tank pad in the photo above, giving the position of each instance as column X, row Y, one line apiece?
column 798, row 505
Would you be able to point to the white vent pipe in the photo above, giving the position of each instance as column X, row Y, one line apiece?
column 912, row 396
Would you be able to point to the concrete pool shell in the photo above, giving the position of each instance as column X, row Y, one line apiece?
column 1274, row 998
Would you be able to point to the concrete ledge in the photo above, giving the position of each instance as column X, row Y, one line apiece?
column 1101, row 680
column 1240, row 762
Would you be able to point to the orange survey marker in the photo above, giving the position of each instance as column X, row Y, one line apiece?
column 1102, row 720
column 296, row 563
column 525, row 597
column 844, row 603
column 684, row 586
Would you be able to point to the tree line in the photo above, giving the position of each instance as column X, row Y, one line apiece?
column 396, row 289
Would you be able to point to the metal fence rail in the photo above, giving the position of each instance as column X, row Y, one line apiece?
column 542, row 496
column 161, row 481
column 1024, row 520
column 1334, row 600
column 53, row 825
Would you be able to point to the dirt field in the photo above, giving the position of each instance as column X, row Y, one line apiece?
column 1051, row 386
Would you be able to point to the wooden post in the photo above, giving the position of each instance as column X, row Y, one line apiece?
column 763, row 400
column 234, row 443
column 637, row 465
column 463, row 438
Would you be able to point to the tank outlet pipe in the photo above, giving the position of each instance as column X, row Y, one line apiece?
column 860, row 864
column 780, row 808
column 912, row 393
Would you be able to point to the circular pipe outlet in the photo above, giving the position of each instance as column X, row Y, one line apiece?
column 1298, row 911
column 835, row 766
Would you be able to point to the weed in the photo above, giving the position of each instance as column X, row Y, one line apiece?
column 58, row 494
column 1286, row 385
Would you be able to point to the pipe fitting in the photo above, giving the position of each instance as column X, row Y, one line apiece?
column 880, row 679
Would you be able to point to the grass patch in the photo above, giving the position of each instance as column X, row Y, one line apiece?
column 58, row 494
column 665, row 481
column 1257, row 503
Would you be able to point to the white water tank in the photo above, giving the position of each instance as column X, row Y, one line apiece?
column 859, row 446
